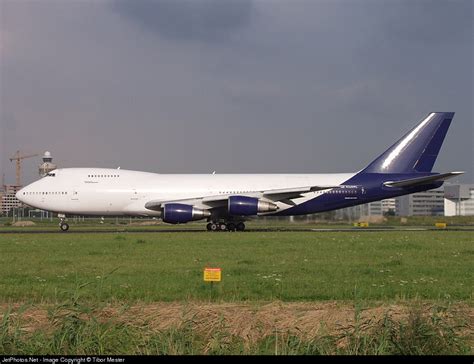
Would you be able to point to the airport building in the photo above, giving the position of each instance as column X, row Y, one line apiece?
column 367, row 211
column 47, row 165
column 459, row 200
column 427, row 203
column 389, row 206
column 8, row 199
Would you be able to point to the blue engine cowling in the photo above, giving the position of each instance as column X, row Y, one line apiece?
column 175, row 213
column 246, row 206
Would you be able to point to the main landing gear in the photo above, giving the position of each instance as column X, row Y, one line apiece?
column 225, row 226
column 63, row 225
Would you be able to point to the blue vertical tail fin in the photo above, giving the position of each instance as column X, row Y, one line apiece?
column 417, row 150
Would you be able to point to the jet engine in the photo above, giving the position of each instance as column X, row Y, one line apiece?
column 245, row 206
column 175, row 213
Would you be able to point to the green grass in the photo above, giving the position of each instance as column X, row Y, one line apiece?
column 256, row 266
column 78, row 277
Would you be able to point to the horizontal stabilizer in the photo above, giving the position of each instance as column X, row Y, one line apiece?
column 421, row 180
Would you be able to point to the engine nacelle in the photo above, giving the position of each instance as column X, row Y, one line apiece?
column 245, row 206
column 175, row 213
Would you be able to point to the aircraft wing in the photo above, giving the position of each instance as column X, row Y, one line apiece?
column 290, row 193
column 275, row 195
column 411, row 182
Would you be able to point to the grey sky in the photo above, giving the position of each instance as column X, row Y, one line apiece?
column 192, row 86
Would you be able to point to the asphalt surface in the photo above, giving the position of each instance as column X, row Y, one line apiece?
column 203, row 230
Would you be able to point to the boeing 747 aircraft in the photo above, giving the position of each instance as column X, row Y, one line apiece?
column 226, row 200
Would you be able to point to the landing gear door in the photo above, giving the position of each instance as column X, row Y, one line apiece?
column 134, row 195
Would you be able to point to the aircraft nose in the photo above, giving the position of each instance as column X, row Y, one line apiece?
column 20, row 194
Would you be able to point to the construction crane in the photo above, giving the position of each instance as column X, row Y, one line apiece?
column 18, row 158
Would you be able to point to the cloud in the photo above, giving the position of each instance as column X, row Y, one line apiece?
column 423, row 22
column 188, row 20
column 191, row 86
column 2, row 146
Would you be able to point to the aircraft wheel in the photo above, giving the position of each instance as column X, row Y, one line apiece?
column 64, row 226
column 209, row 227
column 223, row 227
column 240, row 226
column 214, row 226
column 231, row 226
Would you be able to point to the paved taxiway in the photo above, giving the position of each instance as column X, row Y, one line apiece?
column 105, row 231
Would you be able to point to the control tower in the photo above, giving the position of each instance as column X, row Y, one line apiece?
column 47, row 165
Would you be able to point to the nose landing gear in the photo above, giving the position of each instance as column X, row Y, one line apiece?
column 63, row 225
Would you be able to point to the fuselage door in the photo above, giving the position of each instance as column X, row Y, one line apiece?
column 75, row 194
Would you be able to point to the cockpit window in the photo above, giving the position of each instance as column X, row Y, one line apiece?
column 51, row 174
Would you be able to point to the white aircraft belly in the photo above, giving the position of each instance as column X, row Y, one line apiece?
column 128, row 194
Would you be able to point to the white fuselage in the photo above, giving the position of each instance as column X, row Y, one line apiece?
column 97, row 191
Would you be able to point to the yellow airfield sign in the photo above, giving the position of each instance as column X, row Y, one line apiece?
column 212, row 274
column 361, row 224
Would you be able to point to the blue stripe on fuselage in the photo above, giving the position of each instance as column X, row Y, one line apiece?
column 360, row 189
